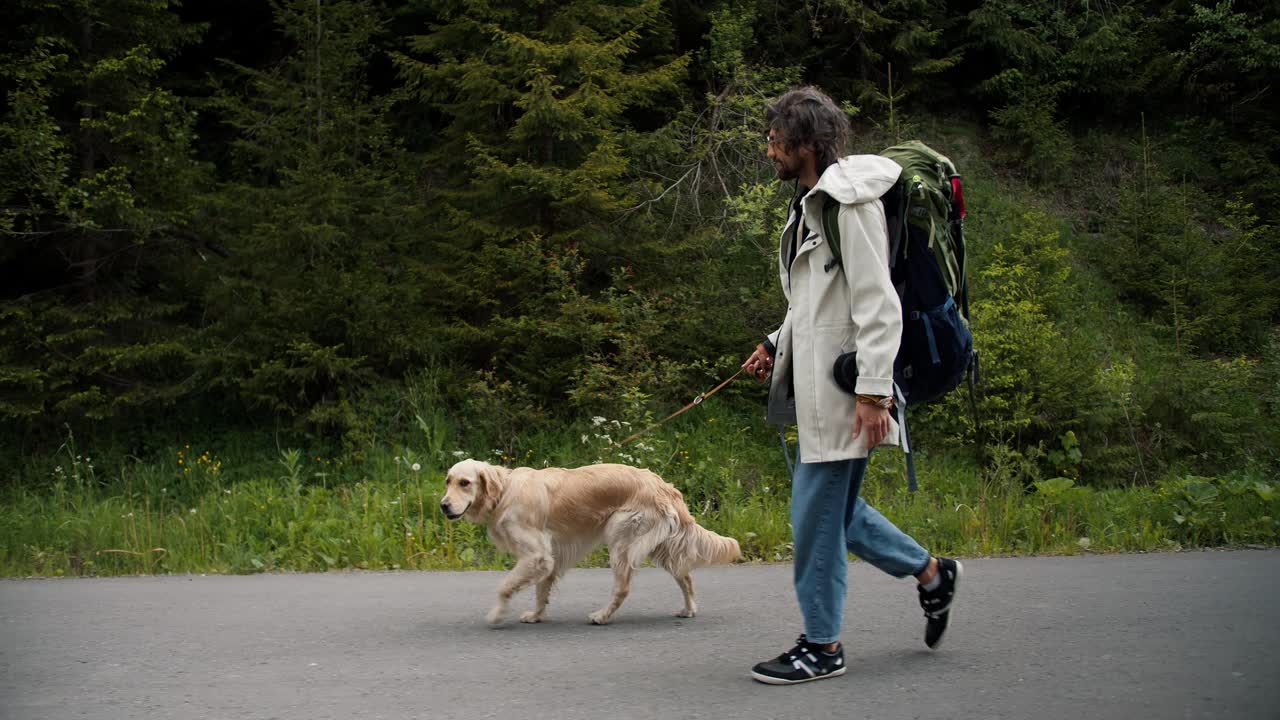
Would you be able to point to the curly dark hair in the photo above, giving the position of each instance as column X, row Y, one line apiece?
column 807, row 117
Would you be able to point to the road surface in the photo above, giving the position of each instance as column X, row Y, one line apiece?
column 1178, row 635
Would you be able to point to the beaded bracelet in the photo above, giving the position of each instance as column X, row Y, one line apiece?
column 885, row 402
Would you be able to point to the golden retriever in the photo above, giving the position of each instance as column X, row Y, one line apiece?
column 551, row 518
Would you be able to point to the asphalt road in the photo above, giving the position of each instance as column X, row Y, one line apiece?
column 1187, row 635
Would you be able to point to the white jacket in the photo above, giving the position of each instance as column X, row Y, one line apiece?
column 833, row 312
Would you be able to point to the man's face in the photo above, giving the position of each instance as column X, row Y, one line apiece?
column 788, row 164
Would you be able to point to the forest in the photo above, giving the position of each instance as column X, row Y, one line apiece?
column 351, row 225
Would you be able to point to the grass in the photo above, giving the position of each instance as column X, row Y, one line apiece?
column 196, row 510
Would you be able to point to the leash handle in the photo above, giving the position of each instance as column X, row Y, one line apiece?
column 696, row 401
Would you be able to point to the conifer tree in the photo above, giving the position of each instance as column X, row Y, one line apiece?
column 321, row 298
column 98, row 179
column 536, row 102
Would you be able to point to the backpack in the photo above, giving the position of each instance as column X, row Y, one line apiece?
column 924, row 213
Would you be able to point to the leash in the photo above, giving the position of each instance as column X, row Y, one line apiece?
column 696, row 401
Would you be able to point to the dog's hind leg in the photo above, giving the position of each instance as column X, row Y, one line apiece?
column 690, row 602
column 663, row 555
column 622, row 570
column 631, row 537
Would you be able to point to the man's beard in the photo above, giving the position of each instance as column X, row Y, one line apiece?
column 787, row 172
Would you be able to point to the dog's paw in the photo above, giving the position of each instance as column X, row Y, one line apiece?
column 496, row 615
column 687, row 612
column 599, row 617
column 531, row 617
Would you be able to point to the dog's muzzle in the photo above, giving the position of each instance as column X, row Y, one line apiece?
column 454, row 516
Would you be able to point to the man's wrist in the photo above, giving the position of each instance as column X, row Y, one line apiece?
column 883, row 402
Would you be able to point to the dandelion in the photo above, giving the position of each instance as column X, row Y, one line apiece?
column 193, row 511
column 416, row 467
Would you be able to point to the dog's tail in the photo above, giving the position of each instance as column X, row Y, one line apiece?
column 690, row 545
column 694, row 546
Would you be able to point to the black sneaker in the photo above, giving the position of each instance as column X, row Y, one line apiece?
column 802, row 663
column 937, row 602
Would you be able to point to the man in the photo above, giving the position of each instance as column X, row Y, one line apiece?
column 833, row 312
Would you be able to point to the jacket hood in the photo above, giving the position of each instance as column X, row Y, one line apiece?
column 858, row 178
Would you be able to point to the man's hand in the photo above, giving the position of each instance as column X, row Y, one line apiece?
column 760, row 364
column 873, row 420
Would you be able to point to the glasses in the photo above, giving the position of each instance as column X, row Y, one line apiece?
column 773, row 141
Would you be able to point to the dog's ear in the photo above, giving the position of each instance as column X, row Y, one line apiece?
column 495, row 480
column 492, row 480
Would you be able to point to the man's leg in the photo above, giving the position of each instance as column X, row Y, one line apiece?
column 872, row 537
column 819, row 494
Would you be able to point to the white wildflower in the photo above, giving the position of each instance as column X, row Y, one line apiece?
column 193, row 511
column 459, row 453
column 584, row 439
column 597, row 421
column 416, row 467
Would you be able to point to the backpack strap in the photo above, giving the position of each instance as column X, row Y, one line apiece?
column 786, row 452
column 897, row 225
column 962, row 294
column 905, row 438
column 831, row 232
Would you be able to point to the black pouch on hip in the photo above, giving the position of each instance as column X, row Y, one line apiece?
column 846, row 372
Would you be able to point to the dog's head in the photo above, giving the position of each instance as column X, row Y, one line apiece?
column 472, row 488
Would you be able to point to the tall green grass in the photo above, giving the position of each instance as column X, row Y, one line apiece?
column 203, row 509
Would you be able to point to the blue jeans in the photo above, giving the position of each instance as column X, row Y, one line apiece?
column 829, row 520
